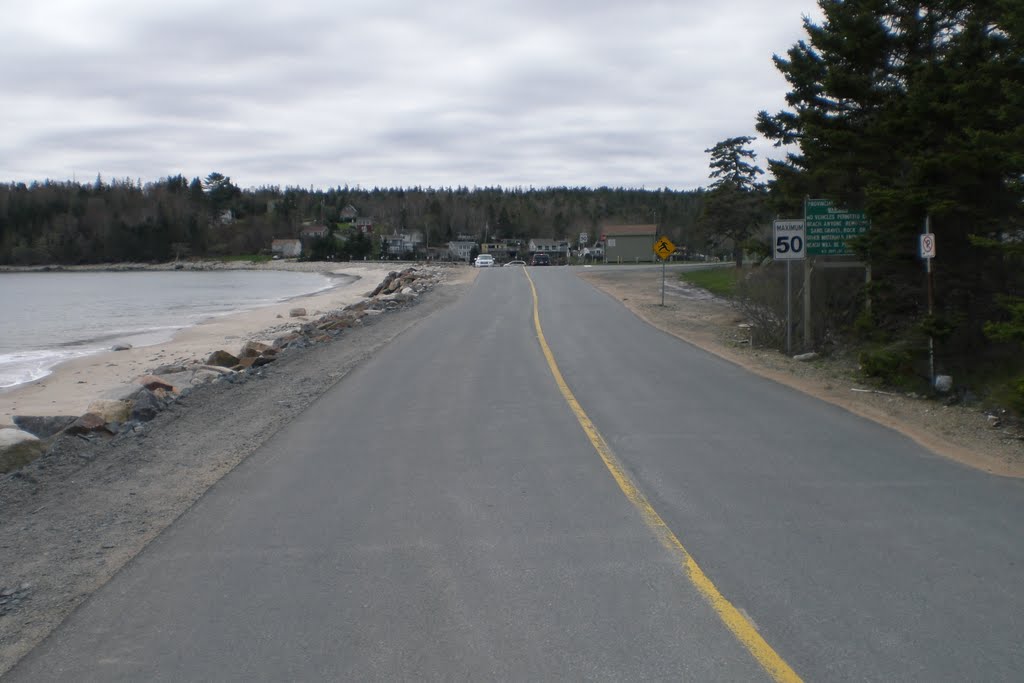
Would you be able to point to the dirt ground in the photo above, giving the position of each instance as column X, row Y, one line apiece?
column 71, row 520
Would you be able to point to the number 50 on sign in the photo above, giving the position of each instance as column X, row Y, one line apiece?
column 788, row 240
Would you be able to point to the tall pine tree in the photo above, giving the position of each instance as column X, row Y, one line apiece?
column 909, row 110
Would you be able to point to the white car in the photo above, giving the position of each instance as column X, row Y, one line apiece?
column 484, row 261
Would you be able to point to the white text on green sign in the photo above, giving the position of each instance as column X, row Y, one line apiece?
column 829, row 229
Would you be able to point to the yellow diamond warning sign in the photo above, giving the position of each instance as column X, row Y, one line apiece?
column 664, row 248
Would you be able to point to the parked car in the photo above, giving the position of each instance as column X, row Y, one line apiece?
column 516, row 263
column 484, row 261
column 540, row 260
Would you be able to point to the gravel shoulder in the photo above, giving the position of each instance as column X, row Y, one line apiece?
column 961, row 433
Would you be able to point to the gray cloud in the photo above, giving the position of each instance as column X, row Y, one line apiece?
column 372, row 93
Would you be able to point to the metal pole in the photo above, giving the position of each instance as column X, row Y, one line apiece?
column 808, row 331
column 931, row 305
column 663, row 282
column 789, row 314
column 807, row 294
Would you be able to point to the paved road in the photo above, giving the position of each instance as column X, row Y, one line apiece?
column 441, row 515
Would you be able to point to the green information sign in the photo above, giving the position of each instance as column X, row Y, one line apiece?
column 828, row 229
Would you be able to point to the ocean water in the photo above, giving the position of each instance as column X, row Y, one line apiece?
column 47, row 318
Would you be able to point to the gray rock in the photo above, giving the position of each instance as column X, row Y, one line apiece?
column 180, row 379
column 90, row 423
column 168, row 369
column 214, row 368
column 202, row 376
column 804, row 357
column 223, row 359
column 18, row 448
column 252, row 348
column 120, row 347
column 943, row 383
column 43, row 426
column 296, row 312
column 145, row 406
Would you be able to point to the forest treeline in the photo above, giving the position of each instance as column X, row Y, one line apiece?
column 124, row 220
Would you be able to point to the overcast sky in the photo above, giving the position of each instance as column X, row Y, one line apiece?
column 528, row 93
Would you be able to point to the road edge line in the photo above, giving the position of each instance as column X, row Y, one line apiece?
column 734, row 620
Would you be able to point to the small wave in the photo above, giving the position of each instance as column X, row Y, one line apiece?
column 23, row 367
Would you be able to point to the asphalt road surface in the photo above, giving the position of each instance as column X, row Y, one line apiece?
column 441, row 514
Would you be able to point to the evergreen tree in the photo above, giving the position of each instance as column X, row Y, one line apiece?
column 909, row 110
column 735, row 207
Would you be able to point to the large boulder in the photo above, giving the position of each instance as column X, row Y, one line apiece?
column 253, row 348
column 223, row 359
column 17, row 448
column 111, row 410
column 43, row 426
column 90, row 423
column 201, row 376
column 145, row 406
column 152, row 383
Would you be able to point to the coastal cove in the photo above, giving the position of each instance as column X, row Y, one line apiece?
column 192, row 332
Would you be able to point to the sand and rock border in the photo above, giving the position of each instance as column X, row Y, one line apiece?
column 95, row 497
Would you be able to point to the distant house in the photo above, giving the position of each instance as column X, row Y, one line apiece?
column 403, row 245
column 312, row 232
column 349, row 213
column 499, row 250
column 363, row 225
column 286, row 248
column 629, row 242
column 540, row 245
column 461, row 250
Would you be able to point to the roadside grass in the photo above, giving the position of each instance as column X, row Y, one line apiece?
column 721, row 281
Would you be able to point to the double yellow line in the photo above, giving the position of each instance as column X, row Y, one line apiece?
column 733, row 619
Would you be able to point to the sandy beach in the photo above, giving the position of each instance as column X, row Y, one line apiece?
column 72, row 385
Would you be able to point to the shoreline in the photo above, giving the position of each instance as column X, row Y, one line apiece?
column 73, row 384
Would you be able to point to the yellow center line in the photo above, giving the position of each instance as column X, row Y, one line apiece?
column 733, row 619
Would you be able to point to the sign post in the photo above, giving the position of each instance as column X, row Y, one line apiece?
column 663, row 248
column 789, row 240
column 926, row 249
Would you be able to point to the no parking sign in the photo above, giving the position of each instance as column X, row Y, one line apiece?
column 927, row 245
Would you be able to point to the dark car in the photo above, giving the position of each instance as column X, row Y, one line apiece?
column 540, row 260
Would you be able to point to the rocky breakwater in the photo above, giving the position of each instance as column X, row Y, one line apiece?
column 125, row 411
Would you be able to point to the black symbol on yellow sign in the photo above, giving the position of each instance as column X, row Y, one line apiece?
column 664, row 248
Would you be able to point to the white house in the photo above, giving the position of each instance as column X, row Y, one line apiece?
column 461, row 250
column 313, row 231
column 404, row 244
column 540, row 245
